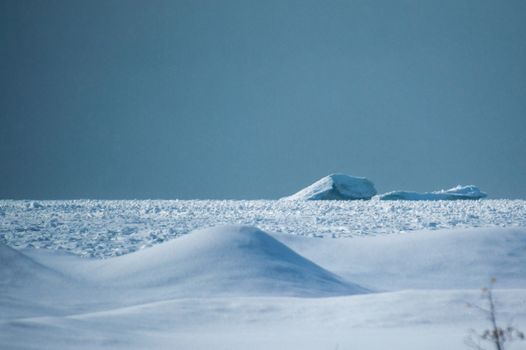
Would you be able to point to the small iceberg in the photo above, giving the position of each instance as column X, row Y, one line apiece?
column 336, row 187
column 455, row 193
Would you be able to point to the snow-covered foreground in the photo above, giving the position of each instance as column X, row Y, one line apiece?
column 233, row 287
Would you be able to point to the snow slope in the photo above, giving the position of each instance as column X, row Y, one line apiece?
column 225, row 260
column 336, row 187
column 29, row 287
column 235, row 287
column 443, row 259
column 18, row 270
column 455, row 193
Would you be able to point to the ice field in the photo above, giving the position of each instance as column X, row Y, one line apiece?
column 258, row 274
column 108, row 228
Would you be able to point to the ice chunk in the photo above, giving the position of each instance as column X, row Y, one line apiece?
column 455, row 193
column 336, row 187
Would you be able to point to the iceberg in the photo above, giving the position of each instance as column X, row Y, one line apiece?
column 336, row 187
column 455, row 193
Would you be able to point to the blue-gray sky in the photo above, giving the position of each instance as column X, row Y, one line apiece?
column 257, row 99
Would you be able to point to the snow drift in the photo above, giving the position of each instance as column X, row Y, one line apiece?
column 336, row 187
column 19, row 270
column 223, row 260
column 455, row 193
column 29, row 288
column 441, row 259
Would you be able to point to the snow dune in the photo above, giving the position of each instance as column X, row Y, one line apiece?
column 246, row 261
column 224, row 260
column 230, row 287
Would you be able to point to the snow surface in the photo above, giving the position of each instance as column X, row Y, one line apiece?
column 455, row 193
column 336, row 187
column 209, row 261
column 443, row 259
column 233, row 287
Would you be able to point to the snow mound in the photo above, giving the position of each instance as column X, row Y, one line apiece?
column 225, row 260
column 455, row 193
column 336, row 187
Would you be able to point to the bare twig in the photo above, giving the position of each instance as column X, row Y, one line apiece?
column 496, row 335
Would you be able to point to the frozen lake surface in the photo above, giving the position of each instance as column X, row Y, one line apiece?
column 98, row 228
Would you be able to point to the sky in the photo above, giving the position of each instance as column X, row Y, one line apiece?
column 257, row 99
